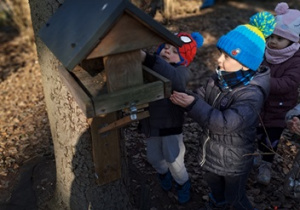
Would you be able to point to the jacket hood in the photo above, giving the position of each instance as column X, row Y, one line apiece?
column 262, row 79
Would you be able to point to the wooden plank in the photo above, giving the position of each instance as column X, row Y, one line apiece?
column 94, row 85
column 126, row 35
column 153, row 25
column 131, row 96
column 80, row 96
column 123, row 70
column 124, row 121
column 151, row 76
column 106, row 149
column 139, row 107
column 93, row 98
column 90, row 91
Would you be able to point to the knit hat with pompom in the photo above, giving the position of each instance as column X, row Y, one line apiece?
column 246, row 43
column 188, row 50
column 287, row 22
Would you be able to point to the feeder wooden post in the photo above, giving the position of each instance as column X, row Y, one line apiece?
column 122, row 71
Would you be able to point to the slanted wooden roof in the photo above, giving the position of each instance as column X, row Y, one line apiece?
column 81, row 29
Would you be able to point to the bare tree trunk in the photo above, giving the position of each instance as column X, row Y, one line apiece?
column 76, row 186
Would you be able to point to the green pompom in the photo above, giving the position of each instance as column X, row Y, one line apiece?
column 264, row 21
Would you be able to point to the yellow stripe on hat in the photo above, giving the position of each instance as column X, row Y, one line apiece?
column 256, row 31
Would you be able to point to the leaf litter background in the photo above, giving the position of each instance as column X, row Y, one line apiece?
column 25, row 137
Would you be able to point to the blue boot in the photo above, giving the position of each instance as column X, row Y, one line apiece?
column 166, row 181
column 183, row 192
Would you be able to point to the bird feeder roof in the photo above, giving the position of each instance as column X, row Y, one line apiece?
column 80, row 26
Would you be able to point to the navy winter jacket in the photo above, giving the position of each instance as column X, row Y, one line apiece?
column 165, row 118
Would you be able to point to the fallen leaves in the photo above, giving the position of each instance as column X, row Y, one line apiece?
column 24, row 127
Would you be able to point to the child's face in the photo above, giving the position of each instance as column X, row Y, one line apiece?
column 170, row 54
column 226, row 63
column 278, row 42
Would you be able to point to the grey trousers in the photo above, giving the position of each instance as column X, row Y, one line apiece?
column 167, row 152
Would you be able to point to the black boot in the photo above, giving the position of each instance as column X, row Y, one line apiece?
column 212, row 204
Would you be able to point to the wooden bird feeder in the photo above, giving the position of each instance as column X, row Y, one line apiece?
column 98, row 43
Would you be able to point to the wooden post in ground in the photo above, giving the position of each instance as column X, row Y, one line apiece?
column 122, row 71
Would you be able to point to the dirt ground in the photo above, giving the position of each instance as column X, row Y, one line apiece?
column 27, row 165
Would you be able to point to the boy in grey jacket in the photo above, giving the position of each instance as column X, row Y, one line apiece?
column 227, row 108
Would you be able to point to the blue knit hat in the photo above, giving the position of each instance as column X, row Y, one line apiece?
column 246, row 43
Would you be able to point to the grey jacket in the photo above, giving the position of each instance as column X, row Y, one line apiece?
column 229, row 120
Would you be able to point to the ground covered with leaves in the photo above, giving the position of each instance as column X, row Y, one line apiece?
column 25, row 138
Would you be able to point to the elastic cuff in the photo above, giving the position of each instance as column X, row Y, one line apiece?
column 189, row 107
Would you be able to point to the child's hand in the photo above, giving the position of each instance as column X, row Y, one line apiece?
column 181, row 99
column 294, row 125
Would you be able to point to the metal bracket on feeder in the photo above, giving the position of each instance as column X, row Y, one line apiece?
column 134, row 115
column 133, row 112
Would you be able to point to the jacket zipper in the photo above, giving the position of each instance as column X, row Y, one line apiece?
column 207, row 139
column 204, row 151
